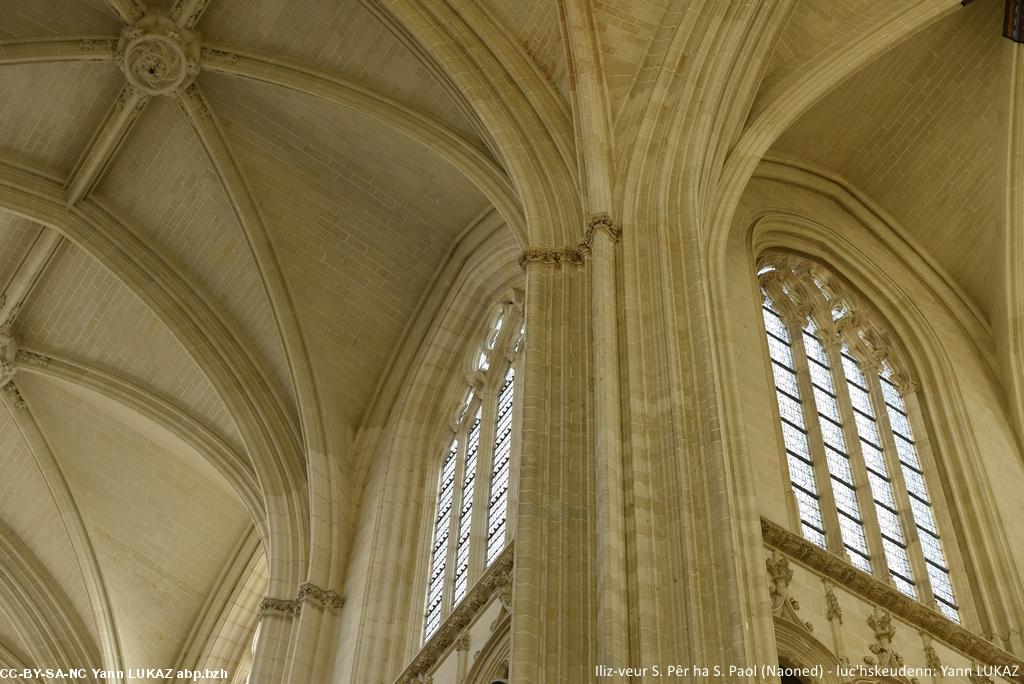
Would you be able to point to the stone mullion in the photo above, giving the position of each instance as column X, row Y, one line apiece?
column 453, row 520
column 515, row 455
column 899, row 486
column 826, row 500
column 943, row 515
column 865, row 499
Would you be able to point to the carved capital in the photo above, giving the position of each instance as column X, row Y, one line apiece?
column 324, row 599
column 599, row 222
column 904, row 383
column 572, row 256
column 279, row 608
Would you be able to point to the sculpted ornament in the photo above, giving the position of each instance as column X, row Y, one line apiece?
column 783, row 605
column 282, row 608
column 325, row 599
column 157, row 56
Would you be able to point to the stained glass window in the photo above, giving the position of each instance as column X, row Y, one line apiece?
column 848, row 434
column 471, row 523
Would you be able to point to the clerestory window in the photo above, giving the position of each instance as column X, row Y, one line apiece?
column 471, row 520
column 849, row 418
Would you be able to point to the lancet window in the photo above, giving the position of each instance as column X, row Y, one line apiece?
column 471, row 523
column 850, row 420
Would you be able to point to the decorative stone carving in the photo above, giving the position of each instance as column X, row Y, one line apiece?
column 32, row 359
column 556, row 257
column 11, row 390
column 8, row 358
column 833, row 611
column 324, row 599
column 5, row 326
column 884, row 656
column 97, row 44
column 191, row 100
column 133, row 10
column 603, row 222
column 931, row 656
column 217, row 56
column 802, row 289
column 196, row 11
column 505, row 597
column 915, row 613
column 462, row 643
column 784, row 606
column 280, row 608
column 157, row 56
column 494, row 581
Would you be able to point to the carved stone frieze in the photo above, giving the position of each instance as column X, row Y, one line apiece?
column 325, row 599
column 864, row 585
column 157, row 56
column 494, row 582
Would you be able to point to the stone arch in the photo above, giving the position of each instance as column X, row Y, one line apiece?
column 996, row 598
column 405, row 456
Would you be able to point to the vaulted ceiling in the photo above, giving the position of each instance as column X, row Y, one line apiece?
column 105, row 454
column 311, row 160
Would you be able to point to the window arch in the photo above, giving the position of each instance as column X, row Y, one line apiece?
column 849, row 415
column 471, row 516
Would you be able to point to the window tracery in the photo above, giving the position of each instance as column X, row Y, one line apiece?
column 844, row 394
column 471, row 520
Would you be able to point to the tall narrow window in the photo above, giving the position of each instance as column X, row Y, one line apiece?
column 497, row 514
column 854, row 467
column 471, row 523
column 439, row 553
